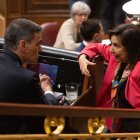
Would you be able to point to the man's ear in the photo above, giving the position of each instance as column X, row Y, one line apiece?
column 96, row 37
column 22, row 46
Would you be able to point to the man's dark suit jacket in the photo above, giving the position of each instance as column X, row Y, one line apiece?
column 19, row 85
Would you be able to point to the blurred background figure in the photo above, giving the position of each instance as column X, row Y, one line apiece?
column 69, row 36
column 91, row 31
column 132, row 12
column 112, row 13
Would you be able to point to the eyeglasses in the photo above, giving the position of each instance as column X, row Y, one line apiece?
column 82, row 14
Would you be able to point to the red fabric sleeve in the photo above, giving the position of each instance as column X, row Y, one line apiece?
column 93, row 49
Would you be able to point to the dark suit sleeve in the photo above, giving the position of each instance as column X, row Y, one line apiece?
column 36, row 94
column 51, row 99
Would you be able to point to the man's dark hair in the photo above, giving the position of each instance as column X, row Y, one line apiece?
column 89, row 28
column 20, row 29
column 130, row 38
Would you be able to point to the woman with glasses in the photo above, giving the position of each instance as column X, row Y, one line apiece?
column 69, row 36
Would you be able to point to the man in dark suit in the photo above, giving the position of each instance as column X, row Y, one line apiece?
column 18, row 84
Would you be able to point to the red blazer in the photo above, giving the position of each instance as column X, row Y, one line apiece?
column 132, row 90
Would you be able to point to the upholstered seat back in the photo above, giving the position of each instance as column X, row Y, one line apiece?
column 49, row 33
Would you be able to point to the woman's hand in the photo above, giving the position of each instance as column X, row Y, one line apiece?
column 84, row 63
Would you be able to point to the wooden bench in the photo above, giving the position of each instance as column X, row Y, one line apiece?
column 69, row 112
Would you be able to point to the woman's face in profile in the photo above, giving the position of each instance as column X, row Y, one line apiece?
column 118, row 50
column 80, row 18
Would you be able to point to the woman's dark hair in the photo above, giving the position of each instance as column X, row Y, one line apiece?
column 130, row 38
column 20, row 29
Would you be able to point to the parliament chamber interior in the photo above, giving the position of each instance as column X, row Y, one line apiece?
column 81, row 120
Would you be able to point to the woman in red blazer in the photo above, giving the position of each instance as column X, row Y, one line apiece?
column 120, row 87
